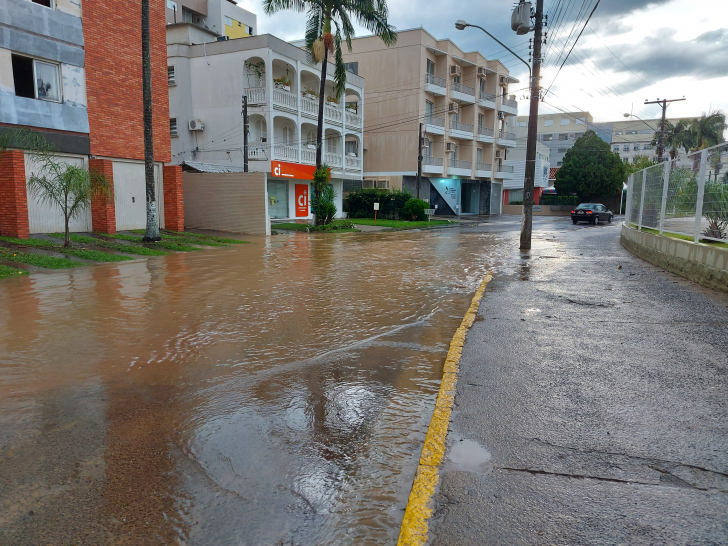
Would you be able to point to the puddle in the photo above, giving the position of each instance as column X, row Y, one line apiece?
column 470, row 456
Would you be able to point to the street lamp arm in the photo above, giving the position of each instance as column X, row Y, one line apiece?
column 505, row 46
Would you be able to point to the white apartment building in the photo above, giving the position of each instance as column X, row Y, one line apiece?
column 513, row 189
column 207, row 82
column 464, row 103
column 223, row 17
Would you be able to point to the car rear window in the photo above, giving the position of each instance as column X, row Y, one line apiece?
column 585, row 206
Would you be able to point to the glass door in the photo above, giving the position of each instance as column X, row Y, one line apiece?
column 469, row 197
column 277, row 199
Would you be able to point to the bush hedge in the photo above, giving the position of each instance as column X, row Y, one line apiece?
column 360, row 203
column 560, row 200
column 414, row 209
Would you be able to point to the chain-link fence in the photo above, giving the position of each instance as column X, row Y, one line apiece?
column 690, row 199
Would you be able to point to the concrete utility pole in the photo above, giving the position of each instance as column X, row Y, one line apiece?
column 528, row 182
column 419, row 160
column 245, row 133
column 660, row 146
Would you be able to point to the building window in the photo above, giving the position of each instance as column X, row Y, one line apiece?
column 482, row 86
column 578, row 135
column 429, row 109
column 565, row 121
column 36, row 79
column 430, row 67
column 616, row 149
column 171, row 4
column 171, row 76
column 561, row 163
column 547, row 138
column 548, row 122
column 228, row 21
column 46, row 3
column 352, row 67
column 580, row 121
column 249, row 30
column 626, row 149
column 172, row 126
column 351, row 148
column 562, row 150
column 646, row 147
column 564, row 136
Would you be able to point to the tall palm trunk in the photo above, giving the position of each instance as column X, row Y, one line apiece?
column 152, row 232
column 322, row 101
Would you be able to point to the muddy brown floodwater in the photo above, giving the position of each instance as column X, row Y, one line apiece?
column 271, row 393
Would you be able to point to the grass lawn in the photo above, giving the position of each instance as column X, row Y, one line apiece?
column 119, row 247
column 38, row 260
column 168, row 244
column 399, row 224
column 6, row 272
column 684, row 237
column 337, row 226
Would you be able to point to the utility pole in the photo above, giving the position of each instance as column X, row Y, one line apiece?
column 245, row 133
column 660, row 146
column 419, row 160
column 528, row 182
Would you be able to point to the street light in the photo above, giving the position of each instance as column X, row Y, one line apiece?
column 460, row 25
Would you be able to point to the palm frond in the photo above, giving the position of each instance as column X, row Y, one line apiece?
column 273, row 6
column 339, row 67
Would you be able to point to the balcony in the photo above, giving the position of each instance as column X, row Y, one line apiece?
column 353, row 120
column 435, row 126
column 460, row 167
column 462, row 131
column 308, row 154
column 285, row 100
column 487, row 100
column 508, row 106
column 256, row 95
column 483, row 170
column 257, row 150
column 283, row 152
column 436, row 86
column 309, row 107
column 485, row 134
column 352, row 162
column 333, row 114
column 507, row 139
column 432, row 165
column 333, row 160
column 462, row 93
column 504, row 172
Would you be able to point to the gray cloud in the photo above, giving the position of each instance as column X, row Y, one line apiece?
column 713, row 36
column 610, row 8
column 611, row 27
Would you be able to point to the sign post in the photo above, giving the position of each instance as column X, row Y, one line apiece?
column 376, row 208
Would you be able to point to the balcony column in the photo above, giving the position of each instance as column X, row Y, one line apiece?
column 299, row 99
column 269, row 102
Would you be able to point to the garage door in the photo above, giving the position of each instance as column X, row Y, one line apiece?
column 44, row 217
column 130, row 195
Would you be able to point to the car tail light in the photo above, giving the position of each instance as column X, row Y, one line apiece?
column 588, row 212
column 572, row 212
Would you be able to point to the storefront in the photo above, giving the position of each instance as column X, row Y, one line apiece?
column 289, row 191
column 460, row 197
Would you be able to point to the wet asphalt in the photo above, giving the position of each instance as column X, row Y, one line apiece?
column 591, row 404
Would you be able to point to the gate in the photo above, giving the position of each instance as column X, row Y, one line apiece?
column 130, row 195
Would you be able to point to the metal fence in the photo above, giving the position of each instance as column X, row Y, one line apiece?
column 685, row 197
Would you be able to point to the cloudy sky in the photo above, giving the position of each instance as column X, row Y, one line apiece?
column 630, row 51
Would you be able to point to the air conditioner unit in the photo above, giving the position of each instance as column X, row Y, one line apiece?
column 449, row 146
column 196, row 125
column 367, row 184
column 481, row 72
column 503, row 80
column 501, row 115
column 452, row 108
column 382, row 184
column 498, row 154
column 455, row 70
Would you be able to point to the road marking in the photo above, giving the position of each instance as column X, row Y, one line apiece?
column 419, row 505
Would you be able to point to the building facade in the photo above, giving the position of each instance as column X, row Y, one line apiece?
column 206, row 86
column 633, row 137
column 462, row 101
column 513, row 189
column 222, row 17
column 73, row 73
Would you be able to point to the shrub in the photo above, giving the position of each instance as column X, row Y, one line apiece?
column 391, row 203
column 515, row 203
column 323, row 206
column 560, row 200
column 414, row 209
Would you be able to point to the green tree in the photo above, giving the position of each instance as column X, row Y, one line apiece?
column 707, row 130
column 638, row 163
column 320, row 42
column 677, row 135
column 590, row 169
column 152, row 231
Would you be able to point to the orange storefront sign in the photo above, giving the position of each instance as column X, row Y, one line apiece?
column 301, row 200
column 281, row 169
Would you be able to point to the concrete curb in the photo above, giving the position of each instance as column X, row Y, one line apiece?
column 414, row 528
column 700, row 263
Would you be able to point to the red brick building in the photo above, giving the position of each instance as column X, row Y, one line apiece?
column 90, row 107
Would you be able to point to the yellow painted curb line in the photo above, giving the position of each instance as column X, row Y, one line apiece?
column 419, row 507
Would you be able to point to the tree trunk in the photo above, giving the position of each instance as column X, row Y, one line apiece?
column 152, row 232
column 320, row 128
column 67, row 240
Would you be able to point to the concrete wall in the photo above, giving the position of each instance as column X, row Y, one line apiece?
column 701, row 263
column 545, row 211
column 234, row 202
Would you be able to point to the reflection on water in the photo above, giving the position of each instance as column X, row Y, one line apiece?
column 270, row 393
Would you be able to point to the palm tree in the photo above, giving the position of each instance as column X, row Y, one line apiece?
column 707, row 130
column 152, row 232
column 320, row 42
column 677, row 136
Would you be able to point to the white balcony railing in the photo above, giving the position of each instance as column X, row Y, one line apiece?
column 484, row 166
column 460, row 164
column 309, row 107
column 485, row 131
column 257, row 150
column 286, row 153
column 505, row 169
column 506, row 136
column 332, row 159
column 351, row 162
column 285, row 99
column 434, row 161
column 353, row 120
column 508, row 102
column 332, row 114
column 437, row 122
column 462, row 88
column 490, row 97
column 458, row 126
column 308, row 155
column 434, row 80
column 256, row 95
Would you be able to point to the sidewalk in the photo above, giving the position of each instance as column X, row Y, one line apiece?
column 591, row 405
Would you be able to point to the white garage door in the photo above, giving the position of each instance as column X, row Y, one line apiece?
column 130, row 195
column 44, row 217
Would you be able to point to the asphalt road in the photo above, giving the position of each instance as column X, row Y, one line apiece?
column 591, row 404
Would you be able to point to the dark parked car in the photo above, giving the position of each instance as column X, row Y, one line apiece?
column 592, row 213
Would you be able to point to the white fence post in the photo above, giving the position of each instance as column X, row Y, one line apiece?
column 665, row 185
column 701, row 193
column 642, row 199
column 628, row 205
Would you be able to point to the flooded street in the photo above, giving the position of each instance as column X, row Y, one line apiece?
column 271, row 393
